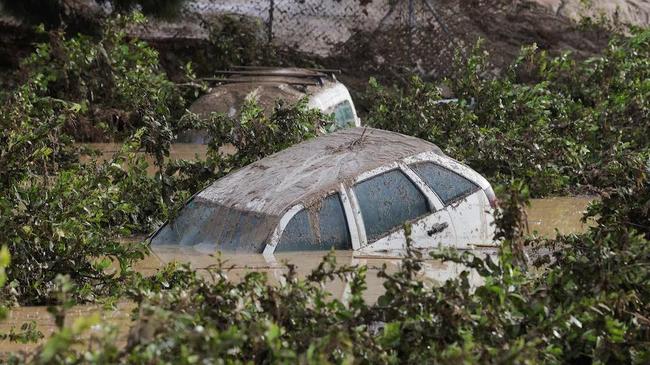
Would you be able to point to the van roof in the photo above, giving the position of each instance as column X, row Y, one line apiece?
column 310, row 170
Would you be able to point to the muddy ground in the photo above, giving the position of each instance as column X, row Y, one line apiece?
column 392, row 54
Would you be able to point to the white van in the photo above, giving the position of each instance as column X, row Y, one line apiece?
column 268, row 86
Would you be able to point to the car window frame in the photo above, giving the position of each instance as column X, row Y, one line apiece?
column 433, row 201
column 451, row 165
column 270, row 247
column 351, row 207
column 456, row 199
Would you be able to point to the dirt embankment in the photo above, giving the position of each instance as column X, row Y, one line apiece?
column 430, row 50
column 634, row 12
column 15, row 44
column 392, row 51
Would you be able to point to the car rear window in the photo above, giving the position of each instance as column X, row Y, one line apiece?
column 387, row 201
column 321, row 227
column 448, row 185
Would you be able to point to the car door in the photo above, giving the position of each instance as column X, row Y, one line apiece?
column 386, row 199
column 464, row 200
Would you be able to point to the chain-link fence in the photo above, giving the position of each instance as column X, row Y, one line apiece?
column 316, row 26
column 417, row 34
column 385, row 38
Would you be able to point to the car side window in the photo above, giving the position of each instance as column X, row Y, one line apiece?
column 387, row 201
column 343, row 114
column 321, row 227
column 448, row 185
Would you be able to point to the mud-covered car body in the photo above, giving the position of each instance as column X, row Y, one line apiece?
column 268, row 86
column 351, row 189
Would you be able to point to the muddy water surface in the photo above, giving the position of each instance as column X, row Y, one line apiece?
column 563, row 214
column 185, row 151
column 120, row 317
column 237, row 266
column 545, row 217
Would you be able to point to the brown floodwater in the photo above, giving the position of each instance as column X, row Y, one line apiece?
column 178, row 151
column 563, row 214
column 545, row 218
column 186, row 151
column 237, row 266
column 119, row 316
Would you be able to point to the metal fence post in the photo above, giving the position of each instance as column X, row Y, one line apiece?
column 270, row 30
column 411, row 29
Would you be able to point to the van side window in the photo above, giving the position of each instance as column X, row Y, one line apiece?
column 448, row 185
column 343, row 114
column 387, row 201
column 320, row 227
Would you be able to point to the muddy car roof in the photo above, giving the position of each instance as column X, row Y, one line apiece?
column 310, row 170
column 229, row 98
column 267, row 88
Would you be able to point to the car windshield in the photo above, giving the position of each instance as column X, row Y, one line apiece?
column 230, row 229
column 343, row 114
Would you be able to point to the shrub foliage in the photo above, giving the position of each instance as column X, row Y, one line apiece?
column 553, row 124
column 60, row 216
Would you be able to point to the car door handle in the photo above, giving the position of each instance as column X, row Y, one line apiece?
column 437, row 228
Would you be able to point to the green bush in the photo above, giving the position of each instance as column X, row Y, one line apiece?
column 116, row 79
column 5, row 259
column 237, row 40
column 552, row 121
column 57, row 216
column 585, row 301
column 63, row 217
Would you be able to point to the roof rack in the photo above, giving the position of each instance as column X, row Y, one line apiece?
column 270, row 73
column 315, row 77
column 235, row 81
column 260, row 68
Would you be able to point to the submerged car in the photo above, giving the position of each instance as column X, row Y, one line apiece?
column 267, row 86
column 354, row 189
